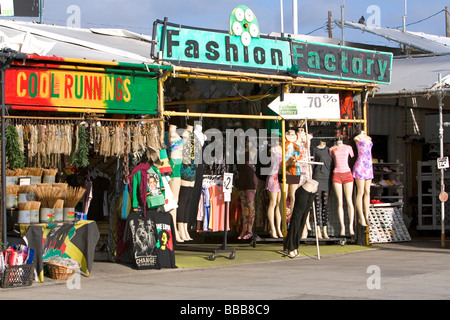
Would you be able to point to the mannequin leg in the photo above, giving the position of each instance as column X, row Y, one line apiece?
column 348, row 191
column 175, row 187
column 366, row 200
column 360, row 189
column 337, row 187
column 291, row 193
column 278, row 216
column 271, row 213
column 324, row 214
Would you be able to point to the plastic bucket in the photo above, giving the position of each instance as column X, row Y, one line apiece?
column 49, row 179
column 69, row 214
column 34, row 216
column 24, row 216
column 58, row 214
column 11, row 180
column 46, row 215
column 11, row 201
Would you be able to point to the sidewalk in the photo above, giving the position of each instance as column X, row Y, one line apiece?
column 411, row 270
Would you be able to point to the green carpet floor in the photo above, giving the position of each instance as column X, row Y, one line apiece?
column 246, row 253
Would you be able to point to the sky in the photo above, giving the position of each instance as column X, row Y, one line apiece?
column 139, row 15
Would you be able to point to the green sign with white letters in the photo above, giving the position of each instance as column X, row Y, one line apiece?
column 345, row 63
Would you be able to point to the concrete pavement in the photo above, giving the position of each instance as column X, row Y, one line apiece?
column 413, row 270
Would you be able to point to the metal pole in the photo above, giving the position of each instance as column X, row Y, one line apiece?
column 295, row 16
column 342, row 25
column 281, row 13
column 3, row 164
column 441, row 146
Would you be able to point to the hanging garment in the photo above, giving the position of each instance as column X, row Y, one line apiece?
column 137, row 188
column 164, row 237
column 322, row 173
column 141, row 233
column 155, row 189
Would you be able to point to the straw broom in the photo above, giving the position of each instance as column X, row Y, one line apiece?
column 34, row 205
column 12, row 189
column 24, row 205
column 48, row 196
column 73, row 196
column 27, row 189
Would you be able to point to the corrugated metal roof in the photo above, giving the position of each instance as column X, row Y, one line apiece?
column 416, row 74
column 97, row 44
column 416, row 40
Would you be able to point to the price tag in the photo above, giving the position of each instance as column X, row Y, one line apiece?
column 227, row 182
column 227, row 197
column 442, row 163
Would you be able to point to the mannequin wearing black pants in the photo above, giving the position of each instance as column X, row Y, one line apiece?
column 304, row 196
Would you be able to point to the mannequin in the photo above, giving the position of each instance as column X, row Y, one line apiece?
column 247, row 183
column 305, row 196
column 342, row 179
column 322, row 174
column 175, row 158
column 292, row 153
column 363, row 174
column 187, row 175
column 274, row 192
column 304, row 141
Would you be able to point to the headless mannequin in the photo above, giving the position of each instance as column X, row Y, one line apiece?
column 347, row 187
column 299, row 214
column 363, row 178
column 291, row 136
column 175, row 182
column 304, row 141
column 322, row 175
column 183, row 226
column 274, row 193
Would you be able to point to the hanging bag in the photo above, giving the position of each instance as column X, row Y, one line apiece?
column 155, row 189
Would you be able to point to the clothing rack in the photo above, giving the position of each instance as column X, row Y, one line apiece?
column 223, row 248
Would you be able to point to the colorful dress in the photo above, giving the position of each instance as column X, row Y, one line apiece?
column 291, row 156
column 363, row 168
column 272, row 183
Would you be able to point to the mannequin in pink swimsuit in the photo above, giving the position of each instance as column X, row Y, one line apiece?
column 363, row 174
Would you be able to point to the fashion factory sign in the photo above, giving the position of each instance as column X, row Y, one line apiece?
column 188, row 46
column 339, row 62
column 63, row 88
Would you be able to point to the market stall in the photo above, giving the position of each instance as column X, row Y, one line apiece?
column 228, row 80
column 72, row 125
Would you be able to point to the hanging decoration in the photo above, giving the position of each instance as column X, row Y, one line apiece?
column 80, row 157
column 15, row 156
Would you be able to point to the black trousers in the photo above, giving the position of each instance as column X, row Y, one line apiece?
column 303, row 204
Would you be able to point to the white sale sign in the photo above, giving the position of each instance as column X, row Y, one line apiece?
column 307, row 106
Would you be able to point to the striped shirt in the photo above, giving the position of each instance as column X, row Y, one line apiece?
column 340, row 156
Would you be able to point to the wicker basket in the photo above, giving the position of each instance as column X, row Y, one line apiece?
column 60, row 272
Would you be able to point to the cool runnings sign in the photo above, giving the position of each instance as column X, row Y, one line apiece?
column 187, row 46
column 104, row 92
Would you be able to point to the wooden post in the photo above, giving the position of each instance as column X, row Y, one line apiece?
column 330, row 29
column 447, row 22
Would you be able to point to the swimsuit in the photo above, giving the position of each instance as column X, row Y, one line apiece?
column 363, row 168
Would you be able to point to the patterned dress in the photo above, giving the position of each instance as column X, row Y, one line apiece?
column 363, row 168
column 272, row 183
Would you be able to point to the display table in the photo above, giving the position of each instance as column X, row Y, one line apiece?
column 75, row 240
